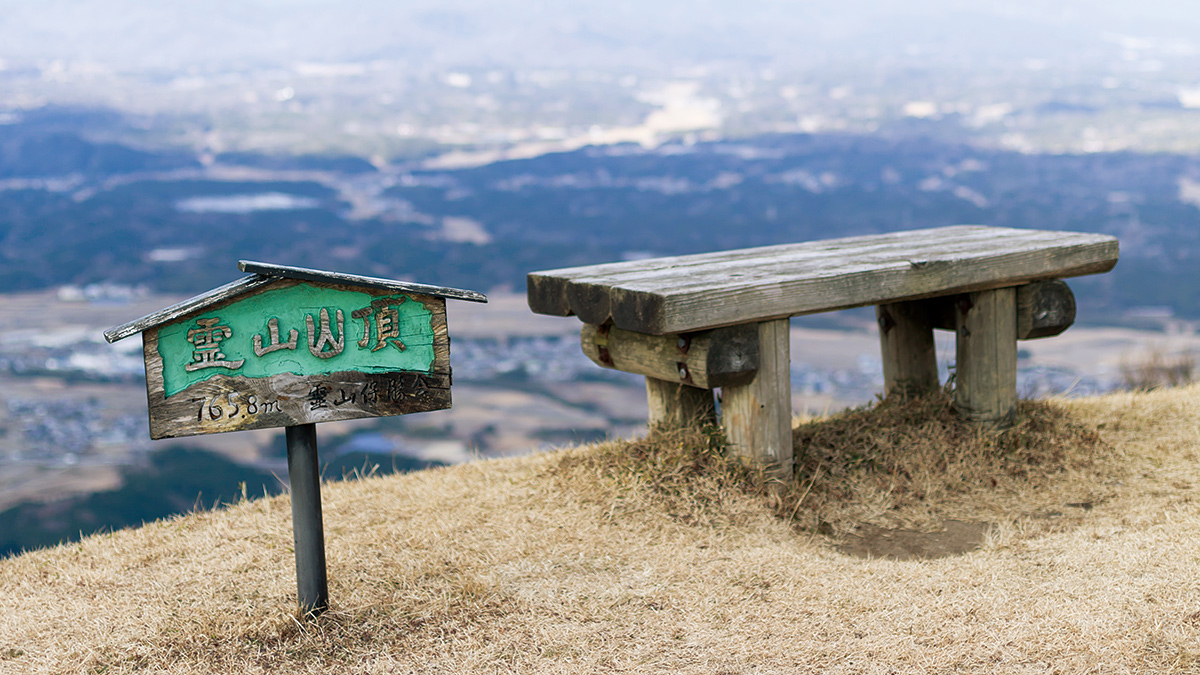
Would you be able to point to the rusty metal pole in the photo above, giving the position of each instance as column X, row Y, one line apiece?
column 304, row 475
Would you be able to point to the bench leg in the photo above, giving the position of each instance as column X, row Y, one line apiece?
column 909, row 353
column 757, row 417
column 985, row 379
column 674, row 405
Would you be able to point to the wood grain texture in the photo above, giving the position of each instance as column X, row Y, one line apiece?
column 909, row 353
column 688, row 293
column 674, row 405
column 1044, row 309
column 985, row 378
column 265, row 273
column 708, row 359
column 223, row 402
column 757, row 417
column 358, row 281
column 192, row 305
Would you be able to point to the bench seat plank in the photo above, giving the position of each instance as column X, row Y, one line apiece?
column 697, row 292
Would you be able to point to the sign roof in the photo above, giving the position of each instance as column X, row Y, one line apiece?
column 262, row 274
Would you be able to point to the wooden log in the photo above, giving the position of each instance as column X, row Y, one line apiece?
column 709, row 359
column 674, row 405
column 548, row 294
column 909, row 353
column 698, row 292
column 757, row 417
column 1044, row 309
column 590, row 301
column 985, row 378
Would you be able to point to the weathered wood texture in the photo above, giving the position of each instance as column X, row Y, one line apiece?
column 985, row 377
column 909, row 353
column 674, row 405
column 696, row 292
column 305, row 274
column 263, row 274
column 757, row 417
column 179, row 310
column 1044, row 309
column 708, row 359
column 233, row 403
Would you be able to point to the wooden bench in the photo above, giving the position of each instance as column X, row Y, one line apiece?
column 697, row 322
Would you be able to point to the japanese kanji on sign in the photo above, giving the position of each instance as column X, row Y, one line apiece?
column 290, row 347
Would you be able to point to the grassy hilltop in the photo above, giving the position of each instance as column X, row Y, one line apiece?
column 659, row 556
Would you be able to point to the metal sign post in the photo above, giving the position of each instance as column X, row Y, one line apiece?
column 290, row 347
column 304, row 474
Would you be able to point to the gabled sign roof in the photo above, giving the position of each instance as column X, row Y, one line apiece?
column 265, row 273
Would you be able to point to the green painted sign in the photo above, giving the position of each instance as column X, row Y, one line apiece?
column 303, row 329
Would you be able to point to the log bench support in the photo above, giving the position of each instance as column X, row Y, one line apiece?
column 909, row 355
column 751, row 363
column 757, row 416
column 691, row 324
column 987, row 325
column 985, row 378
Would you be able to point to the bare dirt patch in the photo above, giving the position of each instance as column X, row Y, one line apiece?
column 954, row 538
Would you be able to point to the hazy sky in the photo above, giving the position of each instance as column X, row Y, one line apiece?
column 182, row 33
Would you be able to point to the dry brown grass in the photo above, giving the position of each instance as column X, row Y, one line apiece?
column 1158, row 368
column 582, row 562
column 914, row 463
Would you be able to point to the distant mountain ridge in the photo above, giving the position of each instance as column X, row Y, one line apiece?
column 125, row 215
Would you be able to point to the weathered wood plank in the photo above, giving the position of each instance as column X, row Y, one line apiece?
column 181, row 309
column 757, row 417
column 547, row 290
column 674, row 405
column 985, row 377
column 235, row 403
column 355, row 280
column 909, row 353
column 263, row 274
column 709, row 359
column 690, row 293
column 590, row 302
column 656, row 307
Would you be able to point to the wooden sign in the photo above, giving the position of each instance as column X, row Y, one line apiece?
column 290, row 346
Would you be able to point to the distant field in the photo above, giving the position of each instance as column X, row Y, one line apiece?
column 502, row 417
